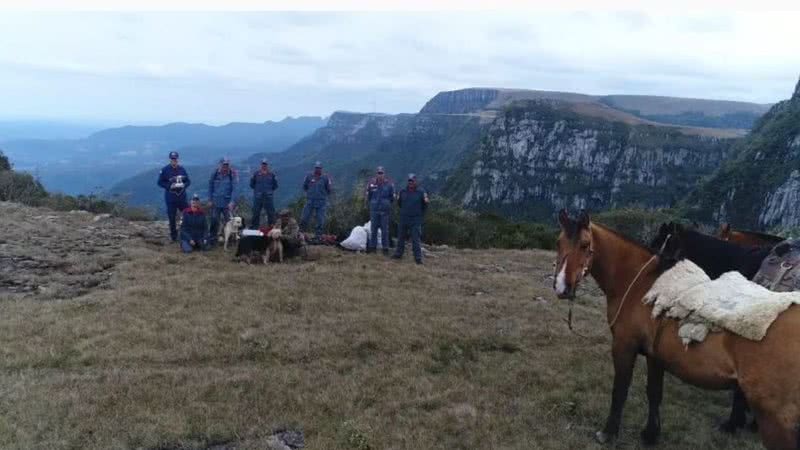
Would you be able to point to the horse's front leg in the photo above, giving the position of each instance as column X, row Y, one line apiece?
column 655, row 389
column 624, row 360
column 738, row 417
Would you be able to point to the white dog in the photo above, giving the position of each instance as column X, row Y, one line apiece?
column 275, row 253
column 232, row 228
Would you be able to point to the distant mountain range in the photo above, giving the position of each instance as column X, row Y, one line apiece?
column 102, row 159
column 518, row 152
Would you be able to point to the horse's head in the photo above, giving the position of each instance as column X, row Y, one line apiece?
column 669, row 244
column 575, row 251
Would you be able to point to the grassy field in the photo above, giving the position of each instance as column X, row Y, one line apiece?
column 359, row 352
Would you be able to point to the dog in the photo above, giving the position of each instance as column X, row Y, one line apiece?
column 275, row 246
column 252, row 249
column 231, row 230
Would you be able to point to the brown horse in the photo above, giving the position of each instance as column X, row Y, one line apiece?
column 767, row 371
column 748, row 238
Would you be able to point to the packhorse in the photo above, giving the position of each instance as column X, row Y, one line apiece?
column 748, row 238
column 766, row 370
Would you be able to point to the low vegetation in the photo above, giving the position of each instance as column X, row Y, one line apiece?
column 24, row 188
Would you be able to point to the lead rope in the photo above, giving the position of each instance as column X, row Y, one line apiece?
column 635, row 279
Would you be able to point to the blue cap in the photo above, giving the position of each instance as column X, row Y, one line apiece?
column 173, row 155
column 264, row 161
column 196, row 197
column 225, row 161
column 412, row 176
column 318, row 165
column 380, row 169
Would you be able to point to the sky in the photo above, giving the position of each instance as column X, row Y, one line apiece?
column 220, row 67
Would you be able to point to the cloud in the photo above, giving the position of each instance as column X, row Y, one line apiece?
column 220, row 67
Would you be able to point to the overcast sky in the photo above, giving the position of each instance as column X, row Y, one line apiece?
column 220, row 67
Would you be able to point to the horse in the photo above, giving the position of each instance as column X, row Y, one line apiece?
column 766, row 371
column 748, row 238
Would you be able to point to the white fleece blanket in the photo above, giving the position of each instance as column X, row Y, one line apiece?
column 732, row 302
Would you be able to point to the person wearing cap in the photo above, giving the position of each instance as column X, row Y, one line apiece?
column 317, row 187
column 263, row 183
column 222, row 191
column 193, row 227
column 380, row 196
column 174, row 180
column 291, row 237
column 413, row 202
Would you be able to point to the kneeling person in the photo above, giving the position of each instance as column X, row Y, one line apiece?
column 292, row 239
column 193, row 227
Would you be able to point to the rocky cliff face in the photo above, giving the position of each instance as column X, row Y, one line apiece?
column 759, row 187
column 460, row 102
column 538, row 157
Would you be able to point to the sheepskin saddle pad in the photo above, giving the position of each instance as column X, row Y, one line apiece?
column 730, row 302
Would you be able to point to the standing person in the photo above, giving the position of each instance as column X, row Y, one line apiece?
column 380, row 196
column 317, row 187
column 413, row 202
column 193, row 227
column 221, row 194
column 263, row 183
column 174, row 180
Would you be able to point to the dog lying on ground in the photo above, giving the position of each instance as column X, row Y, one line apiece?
column 275, row 245
column 231, row 230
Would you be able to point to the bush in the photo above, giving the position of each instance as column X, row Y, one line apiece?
column 20, row 188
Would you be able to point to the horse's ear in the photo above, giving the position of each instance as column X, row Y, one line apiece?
column 563, row 219
column 583, row 219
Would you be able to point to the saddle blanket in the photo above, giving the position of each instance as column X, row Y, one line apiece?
column 731, row 302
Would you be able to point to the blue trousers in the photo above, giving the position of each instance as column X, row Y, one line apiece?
column 318, row 209
column 378, row 220
column 186, row 247
column 217, row 211
column 262, row 202
column 174, row 207
column 414, row 227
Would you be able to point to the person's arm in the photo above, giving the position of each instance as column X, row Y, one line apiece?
column 253, row 181
column 211, row 189
column 400, row 199
column 163, row 180
column 329, row 185
column 274, row 182
column 234, row 189
column 425, row 201
column 391, row 193
column 305, row 183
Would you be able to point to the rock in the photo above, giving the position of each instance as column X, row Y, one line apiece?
column 100, row 217
column 286, row 440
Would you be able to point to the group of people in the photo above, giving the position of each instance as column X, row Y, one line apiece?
column 317, row 185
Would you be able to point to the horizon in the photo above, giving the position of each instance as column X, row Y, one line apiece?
column 219, row 68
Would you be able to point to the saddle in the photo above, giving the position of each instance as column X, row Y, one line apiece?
column 780, row 270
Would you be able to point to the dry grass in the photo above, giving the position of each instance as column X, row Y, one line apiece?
column 357, row 351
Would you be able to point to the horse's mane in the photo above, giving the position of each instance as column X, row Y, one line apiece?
column 764, row 236
column 633, row 242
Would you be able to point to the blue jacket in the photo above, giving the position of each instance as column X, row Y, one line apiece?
column 222, row 188
column 263, row 183
column 412, row 203
column 317, row 189
column 380, row 195
column 168, row 176
column 193, row 226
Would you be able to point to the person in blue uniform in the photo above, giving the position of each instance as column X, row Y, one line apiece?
column 263, row 183
column 222, row 191
column 193, row 227
column 413, row 202
column 318, row 187
column 174, row 180
column 380, row 197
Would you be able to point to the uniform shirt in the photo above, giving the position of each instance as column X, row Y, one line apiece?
column 168, row 176
column 317, row 188
column 222, row 187
column 412, row 202
column 193, row 226
column 263, row 183
column 380, row 195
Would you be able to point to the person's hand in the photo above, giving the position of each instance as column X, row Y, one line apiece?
column 192, row 243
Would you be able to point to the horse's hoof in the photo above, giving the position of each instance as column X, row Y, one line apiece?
column 603, row 437
column 650, row 436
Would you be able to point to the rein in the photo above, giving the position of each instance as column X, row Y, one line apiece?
column 635, row 279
